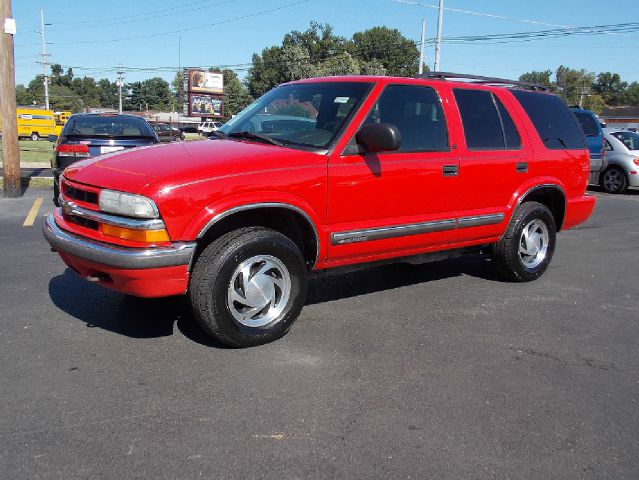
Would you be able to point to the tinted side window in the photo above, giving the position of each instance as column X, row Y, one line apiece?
column 418, row 115
column 482, row 126
column 554, row 123
column 587, row 124
column 511, row 135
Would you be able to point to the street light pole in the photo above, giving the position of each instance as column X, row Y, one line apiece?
column 421, row 47
column 438, row 41
column 120, row 84
column 45, row 61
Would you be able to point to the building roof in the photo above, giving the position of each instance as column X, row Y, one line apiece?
column 620, row 112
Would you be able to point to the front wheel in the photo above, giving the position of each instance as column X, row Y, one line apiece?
column 34, row 136
column 614, row 180
column 525, row 250
column 248, row 287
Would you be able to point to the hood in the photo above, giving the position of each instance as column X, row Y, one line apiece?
column 149, row 169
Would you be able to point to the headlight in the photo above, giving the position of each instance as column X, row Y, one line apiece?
column 127, row 204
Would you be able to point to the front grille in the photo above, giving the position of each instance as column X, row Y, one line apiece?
column 80, row 195
column 84, row 222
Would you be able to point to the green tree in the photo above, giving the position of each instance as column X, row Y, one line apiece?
column 153, row 94
column 610, row 87
column 540, row 78
column 177, row 90
column 265, row 72
column 343, row 64
column 574, row 84
column 631, row 95
column 398, row 55
column 23, row 96
column 108, row 93
column 236, row 95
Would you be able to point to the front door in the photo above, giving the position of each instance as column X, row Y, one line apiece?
column 400, row 202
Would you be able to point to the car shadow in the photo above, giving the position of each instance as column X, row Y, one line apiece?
column 337, row 286
column 142, row 318
column 125, row 315
column 632, row 191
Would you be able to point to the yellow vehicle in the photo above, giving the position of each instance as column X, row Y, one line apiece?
column 34, row 123
column 61, row 118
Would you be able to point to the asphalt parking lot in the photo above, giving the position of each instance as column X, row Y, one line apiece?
column 436, row 371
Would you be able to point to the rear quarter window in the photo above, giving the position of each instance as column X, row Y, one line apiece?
column 588, row 124
column 552, row 119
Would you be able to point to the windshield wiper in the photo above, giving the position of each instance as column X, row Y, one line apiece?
column 255, row 136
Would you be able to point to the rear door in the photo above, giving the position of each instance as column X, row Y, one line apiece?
column 401, row 201
column 494, row 162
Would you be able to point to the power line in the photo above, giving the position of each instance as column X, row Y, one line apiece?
column 481, row 14
column 491, row 15
column 179, row 7
column 146, row 18
column 199, row 27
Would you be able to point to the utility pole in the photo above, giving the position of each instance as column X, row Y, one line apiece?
column 421, row 47
column 10, row 151
column 44, row 61
column 438, row 41
column 120, row 83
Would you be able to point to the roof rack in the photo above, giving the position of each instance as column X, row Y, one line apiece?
column 484, row 80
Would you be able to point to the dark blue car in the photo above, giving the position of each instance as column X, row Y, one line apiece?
column 89, row 135
column 594, row 136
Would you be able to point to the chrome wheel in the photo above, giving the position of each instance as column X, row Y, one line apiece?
column 259, row 290
column 533, row 244
column 613, row 180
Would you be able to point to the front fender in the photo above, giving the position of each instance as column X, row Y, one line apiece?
column 226, row 206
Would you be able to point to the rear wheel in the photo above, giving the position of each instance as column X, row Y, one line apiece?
column 34, row 136
column 525, row 250
column 614, row 180
column 248, row 287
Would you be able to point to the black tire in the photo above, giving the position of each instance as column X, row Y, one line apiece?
column 506, row 255
column 212, row 276
column 177, row 138
column 34, row 136
column 618, row 186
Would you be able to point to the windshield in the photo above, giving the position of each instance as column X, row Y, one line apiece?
column 121, row 126
column 306, row 115
column 629, row 139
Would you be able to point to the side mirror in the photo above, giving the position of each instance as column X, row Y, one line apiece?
column 379, row 137
column 52, row 138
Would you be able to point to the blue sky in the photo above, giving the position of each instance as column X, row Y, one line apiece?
column 224, row 41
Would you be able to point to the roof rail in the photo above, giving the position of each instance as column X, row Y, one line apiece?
column 484, row 80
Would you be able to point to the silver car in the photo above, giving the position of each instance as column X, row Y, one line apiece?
column 622, row 154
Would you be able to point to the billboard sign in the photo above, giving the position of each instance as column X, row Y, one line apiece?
column 203, row 81
column 202, row 105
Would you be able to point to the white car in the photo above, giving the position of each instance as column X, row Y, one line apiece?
column 205, row 128
column 622, row 154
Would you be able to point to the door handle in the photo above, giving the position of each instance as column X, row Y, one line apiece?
column 522, row 167
column 450, row 170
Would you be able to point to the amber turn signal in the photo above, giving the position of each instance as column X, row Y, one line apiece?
column 145, row 236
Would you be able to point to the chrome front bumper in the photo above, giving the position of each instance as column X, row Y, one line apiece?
column 115, row 256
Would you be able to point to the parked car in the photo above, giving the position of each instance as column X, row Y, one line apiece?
column 168, row 133
column 88, row 135
column 205, row 128
column 622, row 153
column 390, row 169
column 593, row 132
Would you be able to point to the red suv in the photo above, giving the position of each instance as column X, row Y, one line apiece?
column 325, row 173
